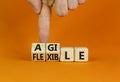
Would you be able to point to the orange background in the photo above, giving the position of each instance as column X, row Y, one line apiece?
column 95, row 25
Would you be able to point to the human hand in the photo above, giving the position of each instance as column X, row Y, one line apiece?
column 43, row 8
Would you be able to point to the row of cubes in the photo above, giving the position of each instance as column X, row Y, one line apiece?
column 53, row 52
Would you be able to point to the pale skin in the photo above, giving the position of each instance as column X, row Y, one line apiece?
column 43, row 9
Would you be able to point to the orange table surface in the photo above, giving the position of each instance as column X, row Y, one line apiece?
column 95, row 25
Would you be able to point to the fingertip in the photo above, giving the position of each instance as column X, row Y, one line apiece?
column 61, row 12
column 36, row 4
column 61, row 7
column 36, row 10
column 44, row 36
column 72, row 4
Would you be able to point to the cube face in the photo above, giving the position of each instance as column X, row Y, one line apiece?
column 67, row 54
column 52, row 51
column 38, row 51
column 81, row 54
column 38, row 47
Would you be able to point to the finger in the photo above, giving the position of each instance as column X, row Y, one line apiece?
column 61, row 7
column 36, row 5
column 72, row 4
column 48, row 2
column 44, row 23
column 81, row 1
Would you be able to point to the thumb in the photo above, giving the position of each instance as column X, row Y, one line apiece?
column 44, row 23
column 36, row 4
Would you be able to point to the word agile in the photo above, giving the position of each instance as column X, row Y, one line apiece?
column 53, row 52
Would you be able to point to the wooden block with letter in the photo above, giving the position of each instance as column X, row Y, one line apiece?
column 52, row 51
column 67, row 54
column 81, row 54
column 38, row 51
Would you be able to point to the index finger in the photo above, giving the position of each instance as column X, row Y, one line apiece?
column 44, row 23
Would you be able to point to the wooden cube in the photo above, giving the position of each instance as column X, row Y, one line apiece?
column 52, row 51
column 38, row 51
column 67, row 54
column 81, row 54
